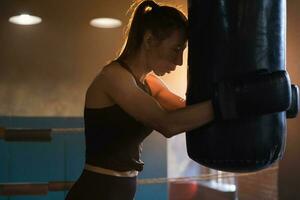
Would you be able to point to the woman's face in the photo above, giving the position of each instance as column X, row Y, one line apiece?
column 167, row 54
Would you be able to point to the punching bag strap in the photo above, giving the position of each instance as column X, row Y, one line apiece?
column 295, row 104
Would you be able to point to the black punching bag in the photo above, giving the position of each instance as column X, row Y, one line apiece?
column 229, row 39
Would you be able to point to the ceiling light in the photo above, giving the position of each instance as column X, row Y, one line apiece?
column 105, row 23
column 25, row 19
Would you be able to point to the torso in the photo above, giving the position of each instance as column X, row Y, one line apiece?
column 104, row 122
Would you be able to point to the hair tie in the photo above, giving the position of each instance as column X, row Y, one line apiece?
column 148, row 9
column 151, row 7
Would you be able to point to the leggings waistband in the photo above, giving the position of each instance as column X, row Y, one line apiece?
column 100, row 170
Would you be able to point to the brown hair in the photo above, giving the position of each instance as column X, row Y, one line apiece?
column 159, row 20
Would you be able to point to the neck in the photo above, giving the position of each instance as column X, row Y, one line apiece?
column 138, row 65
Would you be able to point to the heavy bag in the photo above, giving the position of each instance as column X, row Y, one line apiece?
column 230, row 39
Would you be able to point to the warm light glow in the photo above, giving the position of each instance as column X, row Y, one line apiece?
column 223, row 186
column 105, row 23
column 25, row 19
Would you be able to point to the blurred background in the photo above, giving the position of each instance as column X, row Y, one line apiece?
column 45, row 70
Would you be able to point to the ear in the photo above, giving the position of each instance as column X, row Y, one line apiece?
column 149, row 40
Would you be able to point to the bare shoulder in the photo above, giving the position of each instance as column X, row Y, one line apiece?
column 116, row 78
column 113, row 66
column 114, row 73
column 110, row 72
column 97, row 94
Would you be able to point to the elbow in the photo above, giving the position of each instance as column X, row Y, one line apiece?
column 165, row 126
column 165, row 130
column 167, row 134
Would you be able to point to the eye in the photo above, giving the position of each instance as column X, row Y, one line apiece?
column 177, row 49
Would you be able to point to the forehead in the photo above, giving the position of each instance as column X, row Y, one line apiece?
column 175, row 38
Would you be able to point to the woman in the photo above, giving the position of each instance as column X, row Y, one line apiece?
column 127, row 100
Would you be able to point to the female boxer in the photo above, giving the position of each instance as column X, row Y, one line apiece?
column 127, row 101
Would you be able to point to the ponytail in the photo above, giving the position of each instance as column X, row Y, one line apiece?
column 148, row 15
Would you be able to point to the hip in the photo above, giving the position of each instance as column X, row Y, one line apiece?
column 110, row 172
column 91, row 185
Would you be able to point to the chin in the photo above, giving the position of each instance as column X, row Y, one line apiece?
column 159, row 73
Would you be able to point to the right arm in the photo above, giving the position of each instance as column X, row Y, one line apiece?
column 121, row 87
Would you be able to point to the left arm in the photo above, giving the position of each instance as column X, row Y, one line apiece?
column 167, row 99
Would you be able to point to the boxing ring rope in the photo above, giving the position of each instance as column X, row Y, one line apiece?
column 42, row 188
column 11, row 189
column 35, row 135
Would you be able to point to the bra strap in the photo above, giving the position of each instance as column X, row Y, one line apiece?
column 144, row 86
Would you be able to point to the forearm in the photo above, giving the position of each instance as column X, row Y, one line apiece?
column 188, row 118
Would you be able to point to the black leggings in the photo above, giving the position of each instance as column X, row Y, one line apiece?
column 96, row 186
